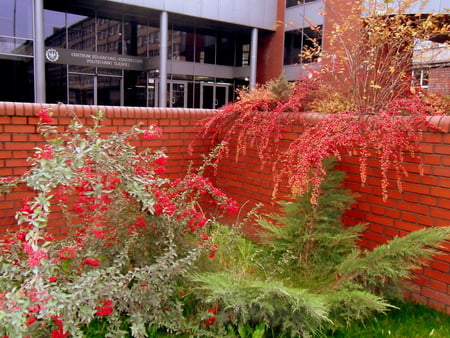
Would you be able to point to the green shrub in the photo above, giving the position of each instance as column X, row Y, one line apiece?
column 306, row 275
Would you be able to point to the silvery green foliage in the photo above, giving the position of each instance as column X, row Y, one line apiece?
column 112, row 264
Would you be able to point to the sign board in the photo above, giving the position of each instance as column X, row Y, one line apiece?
column 94, row 59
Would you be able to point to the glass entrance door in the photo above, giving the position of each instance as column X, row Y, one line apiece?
column 213, row 95
column 176, row 94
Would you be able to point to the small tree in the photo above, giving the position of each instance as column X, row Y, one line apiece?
column 369, row 75
column 306, row 275
column 368, row 52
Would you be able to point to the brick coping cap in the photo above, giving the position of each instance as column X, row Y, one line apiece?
column 60, row 110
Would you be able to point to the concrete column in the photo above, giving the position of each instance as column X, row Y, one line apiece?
column 163, row 59
column 253, row 57
column 39, row 52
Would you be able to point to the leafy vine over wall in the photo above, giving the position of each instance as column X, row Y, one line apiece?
column 258, row 121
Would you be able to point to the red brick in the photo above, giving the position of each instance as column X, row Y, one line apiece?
column 428, row 200
column 20, row 129
column 432, row 137
column 442, row 171
column 442, row 149
column 440, row 192
column 432, row 159
column 19, row 145
column 407, row 226
column 17, row 163
column 413, row 207
column 416, row 188
column 435, row 295
column 440, row 213
column 440, row 266
column 437, row 305
column 19, row 120
column 437, row 275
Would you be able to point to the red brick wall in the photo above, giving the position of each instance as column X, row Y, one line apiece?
column 439, row 80
column 424, row 201
column 18, row 137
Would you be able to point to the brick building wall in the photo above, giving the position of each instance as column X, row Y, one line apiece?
column 439, row 80
column 424, row 201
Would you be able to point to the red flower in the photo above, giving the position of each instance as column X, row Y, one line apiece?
column 212, row 252
column 30, row 321
column 59, row 333
column 52, row 279
column 35, row 256
column 140, row 223
column 152, row 133
column 21, row 236
column 160, row 170
column 162, row 160
column 210, row 321
column 92, row 262
column 67, row 253
column 106, row 308
column 44, row 116
column 46, row 153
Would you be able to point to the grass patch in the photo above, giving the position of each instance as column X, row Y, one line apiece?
column 410, row 320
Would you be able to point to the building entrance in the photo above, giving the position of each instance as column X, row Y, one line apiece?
column 213, row 95
column 176, row 94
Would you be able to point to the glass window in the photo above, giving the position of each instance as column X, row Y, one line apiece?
column 16, row 17
column 16, row 32
column 9, row 45
column 205, row 48
column 292, row 3
column 135, row 83
column 181, row 45
column 81, row 89
column 242, row 50
column 225, row 51
column 292, row 47
column 422, row 77
column 56, row 83
column 79, row 32
column 153, row 41
column 109, row 36
column 19, row 86
column 297, row 41
column 108, row 91
column 55, row 28
column 130, row 38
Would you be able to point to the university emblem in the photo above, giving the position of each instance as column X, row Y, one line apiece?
column 52, row 55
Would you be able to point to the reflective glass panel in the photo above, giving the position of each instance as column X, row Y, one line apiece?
column 108, row 91
column 80, row 32
column 16, row 17
column 205, row 48
column 19, row 86
column 81, row 89
column 55, row 28
column 56, row 82
column 16, row 46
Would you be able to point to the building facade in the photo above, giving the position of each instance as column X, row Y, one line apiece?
column 167, row 53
